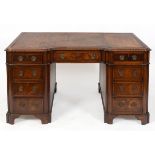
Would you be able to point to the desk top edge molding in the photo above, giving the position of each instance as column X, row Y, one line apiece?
column 142, row 46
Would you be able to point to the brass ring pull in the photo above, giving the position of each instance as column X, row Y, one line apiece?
column 21, row 73
column 93, row 56
column 62, row 56
column 34, row 88
column 121, row 104
column 122, row 57
column 134, row 57
column 34, row 73
column 20, row 58
column 133, row 104
column 121, row 72
column 33, row 58
column 20, row 88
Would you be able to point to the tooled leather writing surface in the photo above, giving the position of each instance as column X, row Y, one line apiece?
column 44, row 41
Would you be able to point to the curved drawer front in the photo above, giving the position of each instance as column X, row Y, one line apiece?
column 27, row 58
column 77, row 56
column 133, row 89
column 27, row 105
column 25, row 72
column 127, row 105
column 27, row 89
column 127, row 73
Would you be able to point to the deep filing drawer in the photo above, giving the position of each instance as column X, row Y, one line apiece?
column 128, row 57
column 127, row 105
column 28, row 105
column 127, row 73
column 27, row 89
column 132, row 89
column 77, row 56
column 27, row 72
column 27, row 58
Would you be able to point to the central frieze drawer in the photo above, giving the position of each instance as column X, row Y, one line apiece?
column 77, row 56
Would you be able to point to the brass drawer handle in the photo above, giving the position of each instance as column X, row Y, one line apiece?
column 34, row 88
column 121, row 104
column 21, row 73
column 20, row 88
column 20, row 58
column 122, row 57
column 121, row 72
column 33, row 58
column 134, row 57
column 34, row 73
column 62, row 56
column 133, row 104
column 93, row 56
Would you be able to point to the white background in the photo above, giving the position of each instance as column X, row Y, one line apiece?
column 78, row 126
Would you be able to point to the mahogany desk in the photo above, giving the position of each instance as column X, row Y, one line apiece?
column 31, row 72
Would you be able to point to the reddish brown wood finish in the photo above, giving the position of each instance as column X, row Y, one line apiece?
column 31, row 72
column 77, row 56
column 126, row 86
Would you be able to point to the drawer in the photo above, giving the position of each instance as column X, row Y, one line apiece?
column 130, row 57
column 27, row 89
column 77, row 56
column 133, row 89
column 27, row 72
column 27, row 105
column 127, row 106
column 127, row 73
column 25, row 58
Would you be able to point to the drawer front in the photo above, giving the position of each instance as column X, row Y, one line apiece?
column 127, row 106
column 27, row 105
column 24, row 58
column 128, row 57
column 133, row 89
column 127, row 73
column 27, row 89
column 27, row 72
column 77, row 56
